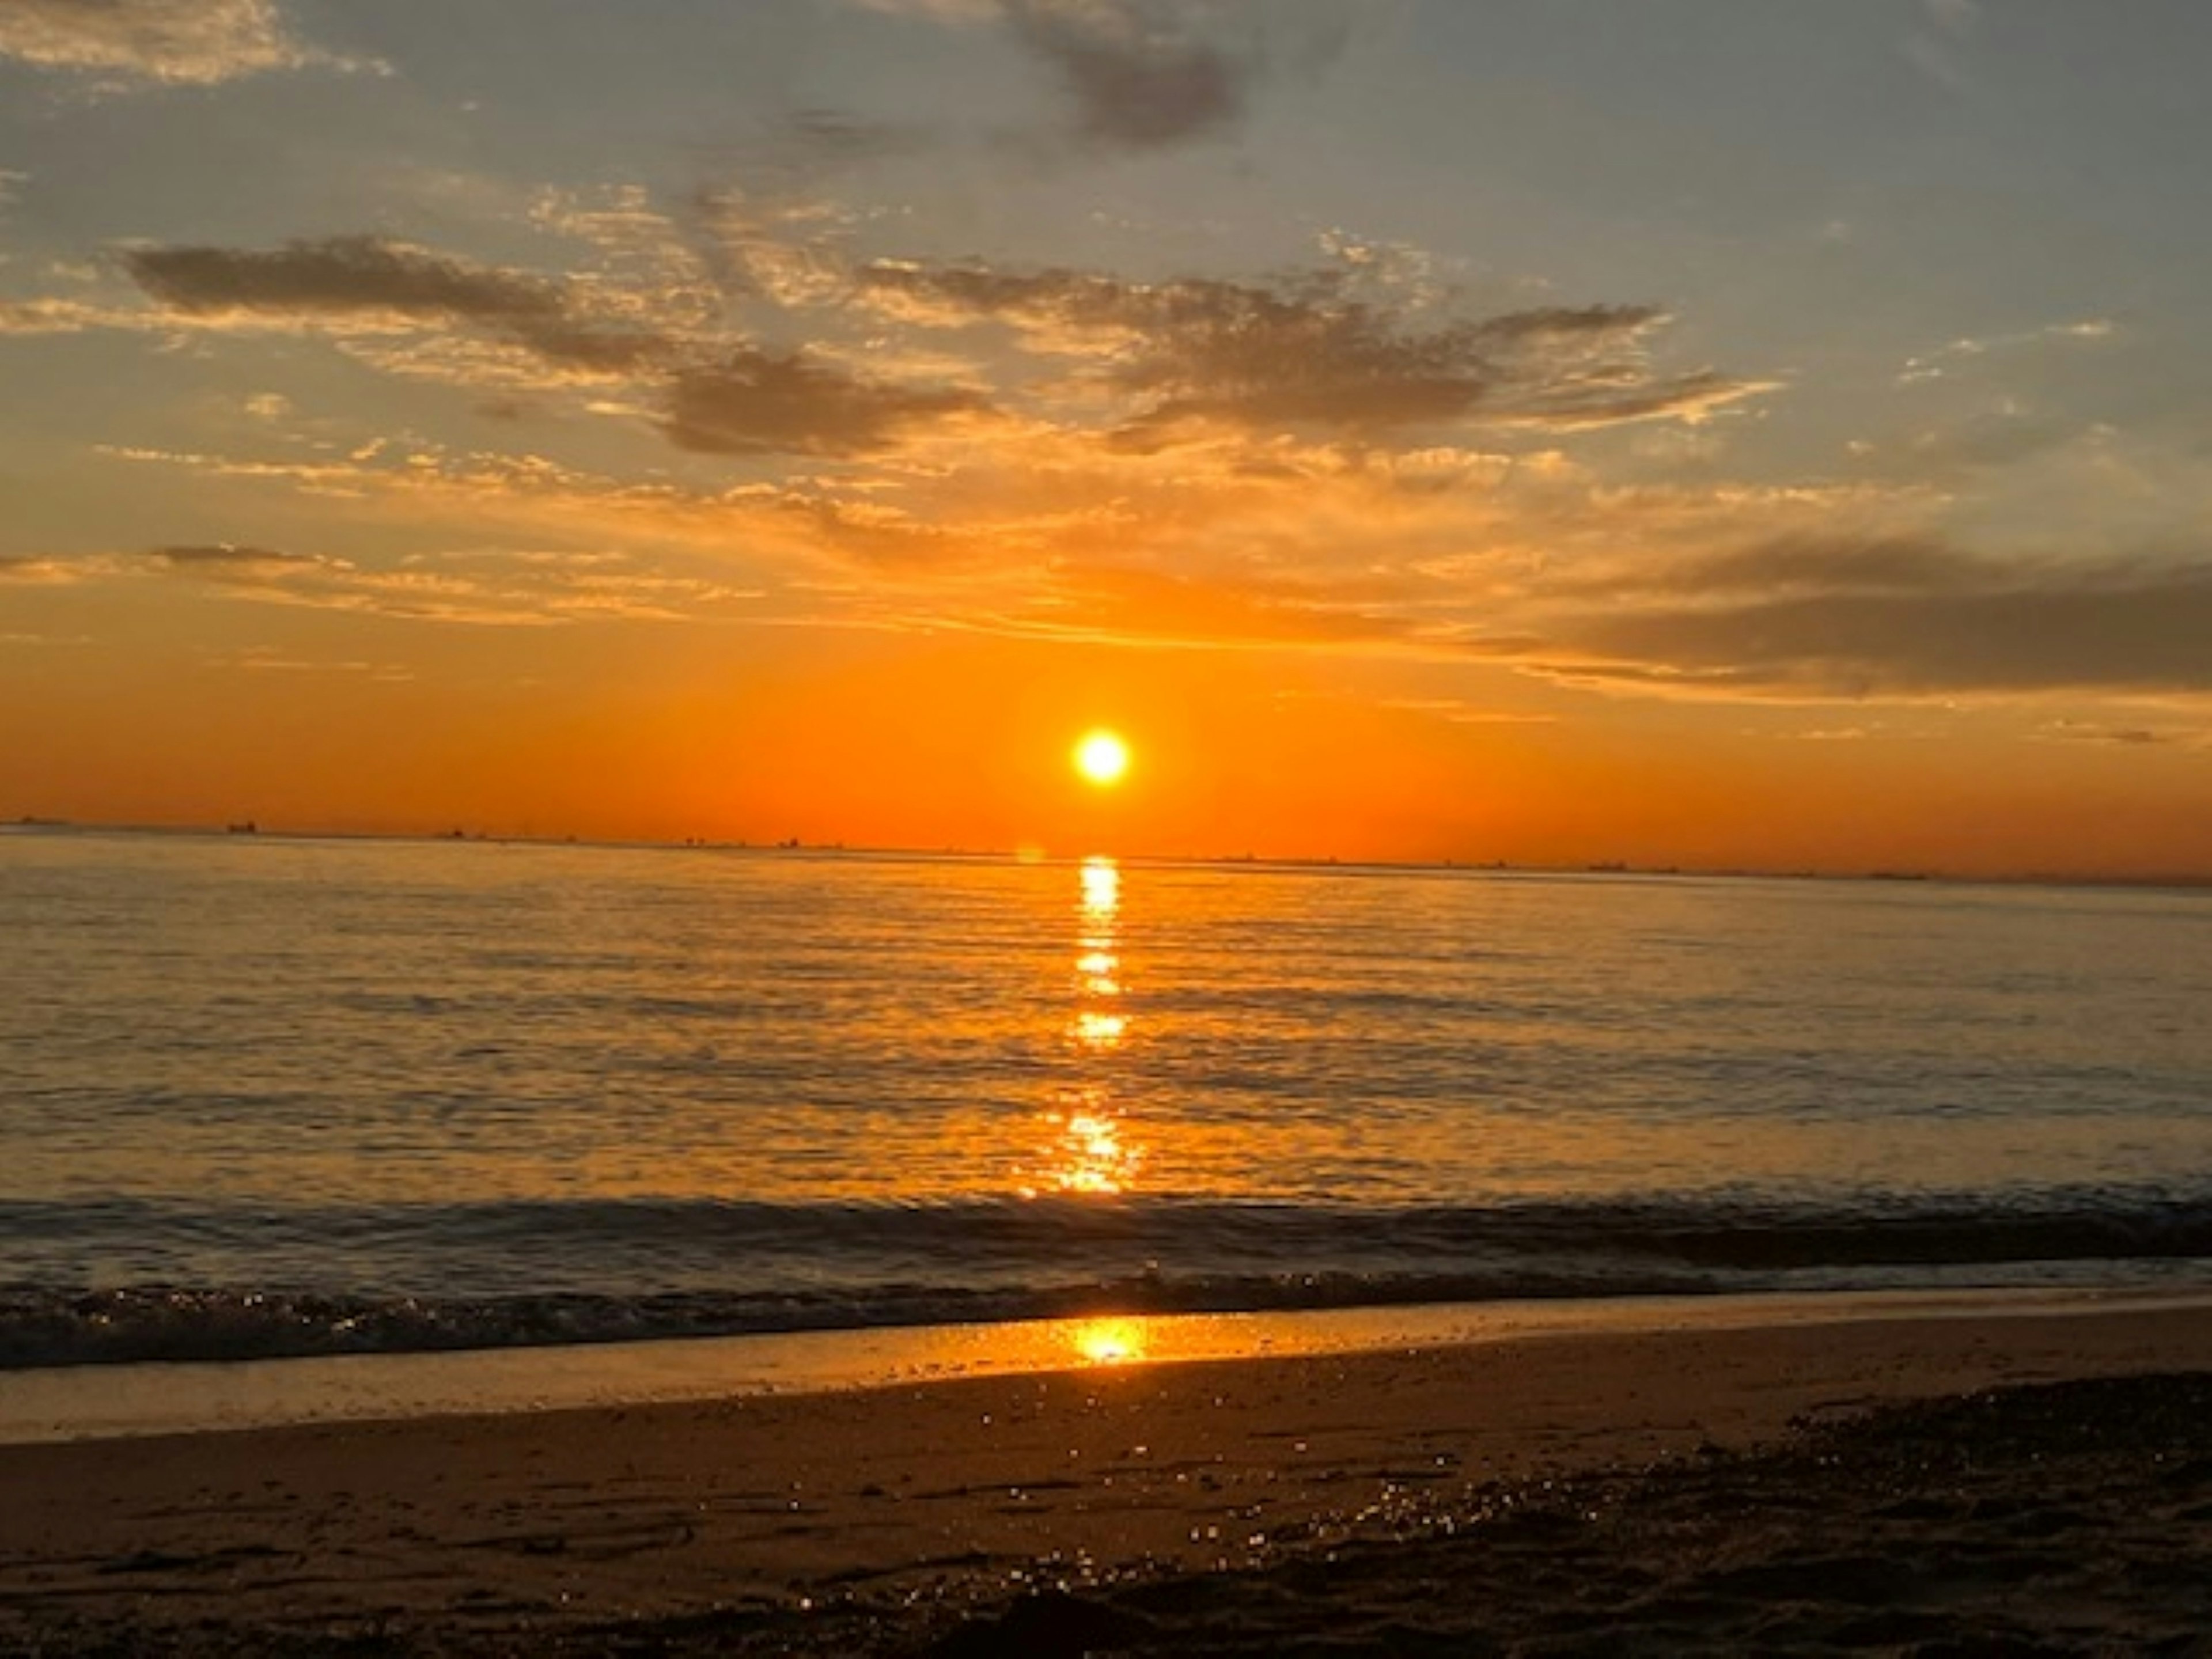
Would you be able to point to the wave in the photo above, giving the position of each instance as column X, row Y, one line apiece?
column 510, row 1275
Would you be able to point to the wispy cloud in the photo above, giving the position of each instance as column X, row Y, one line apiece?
column 1117, row 602
column 1952, row 355
column 1356, row 347
column 488, row 587
column 1304, row 355
column 1540, row 567
column 121, row 43
column 54, row 315
column 34, row 570
column 2198, row 736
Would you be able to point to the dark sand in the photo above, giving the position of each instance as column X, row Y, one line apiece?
column 1694, row 1491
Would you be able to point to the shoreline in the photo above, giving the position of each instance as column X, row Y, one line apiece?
column 41, row 1405
column 902, row 1504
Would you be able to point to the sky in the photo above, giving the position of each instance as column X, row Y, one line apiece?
column 1722, row 433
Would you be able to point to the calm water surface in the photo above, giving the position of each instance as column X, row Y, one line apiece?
column 260, row 1096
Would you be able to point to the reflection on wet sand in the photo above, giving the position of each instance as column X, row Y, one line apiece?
column 1109, row 1342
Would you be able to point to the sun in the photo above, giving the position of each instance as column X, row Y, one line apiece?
column 1102, row 757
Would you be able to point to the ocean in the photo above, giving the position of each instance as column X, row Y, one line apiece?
column 262, row 1097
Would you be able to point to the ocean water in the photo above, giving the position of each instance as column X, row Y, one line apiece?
column 261, row 1096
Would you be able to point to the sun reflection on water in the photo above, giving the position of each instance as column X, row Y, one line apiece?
column 1095, row 1030
column 1089, row 1154
column 1102, row 888
column 1088, row 1149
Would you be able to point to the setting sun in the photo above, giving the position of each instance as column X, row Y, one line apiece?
column 1102, row 757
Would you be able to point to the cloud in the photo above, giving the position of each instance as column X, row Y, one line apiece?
column 157, row 42
column 783, row 251
column 1134, row 75
column 31, row 570
column 1367, row 348
column 1946, row 359
column 1304, row 355
column 1108, row 601
column 1815, row 564
column 1145, row 74
column 58, row 316
column 1898, row 620
column 754, row 402
column 367, row 277
column 1225, row 434
column 491, row 588
column 704, row 393
column 2131, row 737
column 475, row 495
column 222, row 561
column 1540, row 567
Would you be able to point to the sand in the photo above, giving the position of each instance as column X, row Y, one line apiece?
column 1697, row 1489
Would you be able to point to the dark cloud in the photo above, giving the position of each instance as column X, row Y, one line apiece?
column 739, row 401
column 1815, row 565
column 366, row 276
column 2116, row 626
column 1135, row 76
column 221, row 561
column 1304, row 354
column 753, row 402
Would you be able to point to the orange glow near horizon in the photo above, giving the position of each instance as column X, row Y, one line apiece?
column 966, row 743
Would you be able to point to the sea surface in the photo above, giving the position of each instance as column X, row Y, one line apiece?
column 263, row 1097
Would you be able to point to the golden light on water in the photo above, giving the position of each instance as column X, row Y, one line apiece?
column 1102, row 757
column 1091, row 1155
column 1098, row 966
column 1102, row 891
column 1087, row 1148
column 1098, row 969
column 1097, row 1030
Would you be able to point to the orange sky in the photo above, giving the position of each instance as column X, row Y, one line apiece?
column 1425, row 431
column 962, row 740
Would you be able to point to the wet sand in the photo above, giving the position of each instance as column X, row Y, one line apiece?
column 1697, row 1489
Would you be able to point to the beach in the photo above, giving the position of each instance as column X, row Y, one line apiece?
column 595, row 1250
column 1684, row 1486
